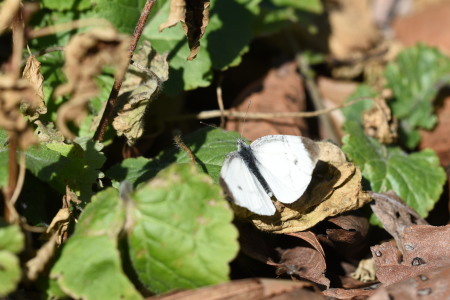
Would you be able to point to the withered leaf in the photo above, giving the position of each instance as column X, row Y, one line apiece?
column 37, row 264
column 334, row 189
column 394, row 215
column 86, row 55
column 433, row 284
column 194, row 17
column 248, row 289
column 426, row 248
column 140, row 87
column 14, row 92
column 302, row 262
column 32, row 73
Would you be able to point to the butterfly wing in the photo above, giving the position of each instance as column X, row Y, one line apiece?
column 243, row 186
column 287, row 163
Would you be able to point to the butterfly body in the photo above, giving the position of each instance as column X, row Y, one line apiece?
column 274, row 165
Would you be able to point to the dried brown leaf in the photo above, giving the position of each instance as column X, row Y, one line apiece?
column 247, row 289
column 311, row 238
column 37, row 264
column 194, row 17
column 140, row 87
column 348, row 294
column 431, row 285
column 86, row 54
column 379, row 122
column 8, row 10
column 426, row 248
column 351, row 239
column 32, row 73
column 59, row 225
column 280, row 90
column 302, row 262
column 394, row 215
column 12, row 94
column 334, row 189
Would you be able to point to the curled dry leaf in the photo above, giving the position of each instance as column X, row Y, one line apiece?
column 334, row 189
column 351, row 239
column 247, row 289
column 12, row 93
column 366, row 270
column 426, row 248
column 32, row 73
column 8, row 10
column 140, row 87
column 59, row 225
column 431, row 285
column 37, row 264
column 194, row 17
column 86, row 54
column 379, row 122
column 394, row 215
column 280, row 90
column 302, row 262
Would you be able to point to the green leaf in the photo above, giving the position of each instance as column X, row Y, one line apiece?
column 417, row 178
column 75, row 5
column 355, row 111
column 314, row 6
column 182, row 235
column 208, row 146
column 226, row 39
column 63, row 164
column 89, row 266
column 11, row 242
column 416, row 76
column 10, row 272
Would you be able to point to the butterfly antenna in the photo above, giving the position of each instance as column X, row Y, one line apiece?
column 245, row 117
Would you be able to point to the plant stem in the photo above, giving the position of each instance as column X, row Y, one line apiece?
column 109, row 112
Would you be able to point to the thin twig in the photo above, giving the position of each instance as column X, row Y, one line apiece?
column 10, row 212
column 220, row 100
column 259, row 115
column 20, row 179
column 185, row 148
column 108, row 114
column 36, row 33
column 48, row 50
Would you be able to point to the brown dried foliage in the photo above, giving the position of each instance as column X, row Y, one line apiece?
column 194, row 17
column 86, row 54
column 14, row 92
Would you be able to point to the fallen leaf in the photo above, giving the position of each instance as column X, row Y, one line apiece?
column 431, row 285
column 140, row 87
column 334, row 189
column 302, row 262
column 32, row 74
column 351, row 239
column 425, row 26
column 311, row 238
column 426, row 248
column 394, row 215
column 194, row 17
column 60, row 225
column 86, row 55
column 246, row 289
column 339, row 293
column 280, row 90
column 438, row 138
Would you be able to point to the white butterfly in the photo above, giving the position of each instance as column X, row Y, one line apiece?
column 273, row 165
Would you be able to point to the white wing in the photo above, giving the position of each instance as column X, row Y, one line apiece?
column 244, row 188
column 287, row 163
